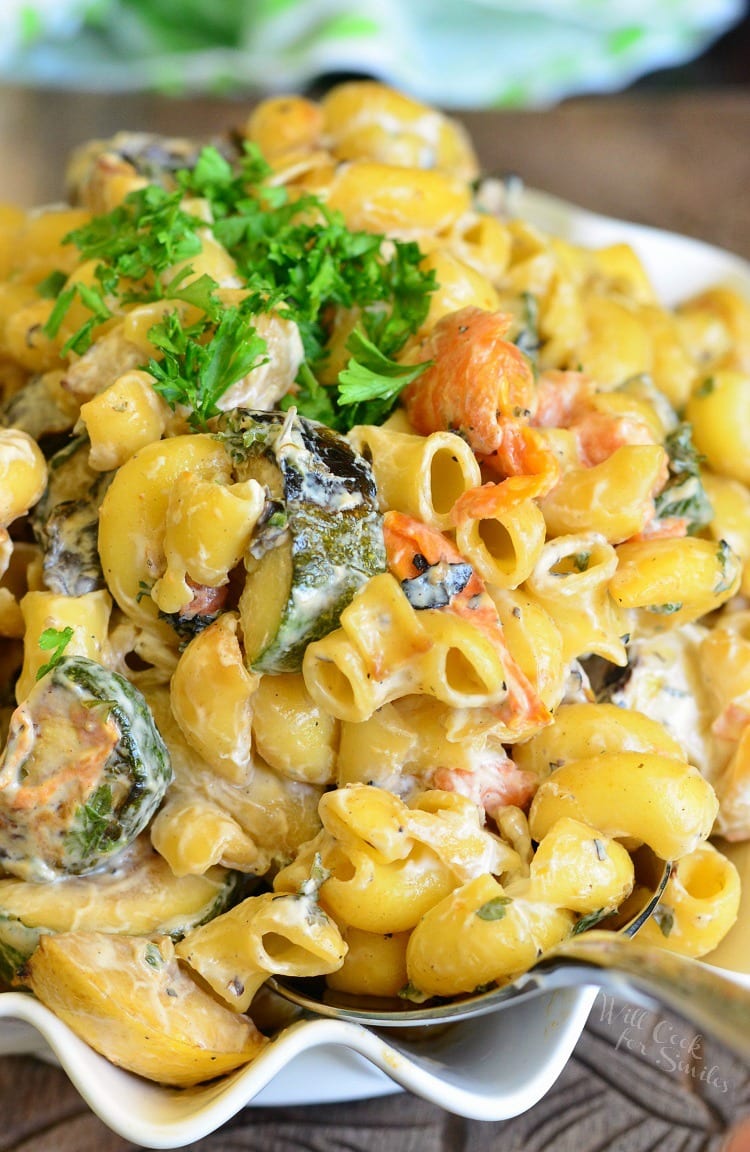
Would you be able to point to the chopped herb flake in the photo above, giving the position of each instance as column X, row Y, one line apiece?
column 683, row 496
column 494, row 909
column 590, row 920
column 664, row 918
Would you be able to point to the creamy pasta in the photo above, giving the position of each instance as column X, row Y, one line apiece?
column 373, row 561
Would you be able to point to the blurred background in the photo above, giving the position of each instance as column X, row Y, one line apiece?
column 456, row 53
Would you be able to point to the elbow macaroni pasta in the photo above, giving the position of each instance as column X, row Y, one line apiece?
column 458, row 760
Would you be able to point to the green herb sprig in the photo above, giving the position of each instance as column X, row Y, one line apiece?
column 294, row 256
column 54, row 641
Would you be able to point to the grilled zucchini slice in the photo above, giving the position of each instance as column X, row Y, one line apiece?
column 83, row 771
column 322, row 537
column 136, row 894
column 66, row 521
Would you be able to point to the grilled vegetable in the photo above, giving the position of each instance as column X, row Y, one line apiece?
column 127, row 997
column 66, row 521
column 322, row 538
column 36, row 409
column 135, row 894
column 82, row 773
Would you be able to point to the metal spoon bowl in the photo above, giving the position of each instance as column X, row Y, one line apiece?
column 609, row 960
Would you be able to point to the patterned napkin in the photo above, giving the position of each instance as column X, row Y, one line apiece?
column 449, row 52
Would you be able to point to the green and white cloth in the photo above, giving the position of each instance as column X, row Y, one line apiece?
column 456, row 53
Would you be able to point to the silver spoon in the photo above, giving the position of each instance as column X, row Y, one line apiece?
column 611, row 960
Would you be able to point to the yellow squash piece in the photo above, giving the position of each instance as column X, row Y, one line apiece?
column 129, row 999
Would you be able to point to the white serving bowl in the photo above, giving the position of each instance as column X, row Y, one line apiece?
column 490, row 1068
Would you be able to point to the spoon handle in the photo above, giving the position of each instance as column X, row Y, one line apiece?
column 656, row 979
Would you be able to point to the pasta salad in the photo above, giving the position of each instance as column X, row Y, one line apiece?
column 375, row 576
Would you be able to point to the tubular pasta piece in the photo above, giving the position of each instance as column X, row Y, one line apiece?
column 422, row 476
column 571, row 580
column 699, row 905
column 288, row 935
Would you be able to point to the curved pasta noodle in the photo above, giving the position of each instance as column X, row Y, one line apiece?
column 122, row 419
column 374, row 965
column 264, row 935
column 292, row 733
column 87, row 616
column 572, row 581
column 211, row 697
column 680, row 579
column 368, row 892
column 502, row 538
column 133, row 517
column 479, row 934
column 208, row 819
column 423, row 476
column 699, row 905
column 583, row 730
column 658, row 800
column 579, row 868
column 614, row 498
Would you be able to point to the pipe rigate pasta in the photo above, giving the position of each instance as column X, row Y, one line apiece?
column 420, row 538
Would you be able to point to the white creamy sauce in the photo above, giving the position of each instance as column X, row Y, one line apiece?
column 666, row 684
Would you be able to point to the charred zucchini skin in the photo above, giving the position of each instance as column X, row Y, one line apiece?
column 65, row 522
column 140, row 756
column 331, row 517
column 130, row 788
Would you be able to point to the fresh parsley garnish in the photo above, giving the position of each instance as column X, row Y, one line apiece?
column 51, row 286
column 312, row 399
column 667, row 609
column 196, row 371
column 54, row 641
column 140, row 238
column 527, row 338
column 295, row 256
column 371, row 381
column 494, row 909
column 92, row 299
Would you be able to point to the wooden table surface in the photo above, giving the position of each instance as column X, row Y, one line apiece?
column 636, row 1081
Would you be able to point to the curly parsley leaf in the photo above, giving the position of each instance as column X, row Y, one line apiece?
column 55, row 641
column 313, row 400
column 140, row 238
column 296, row 257
column 372, row 382
column 301, row 257
column 195, row 370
